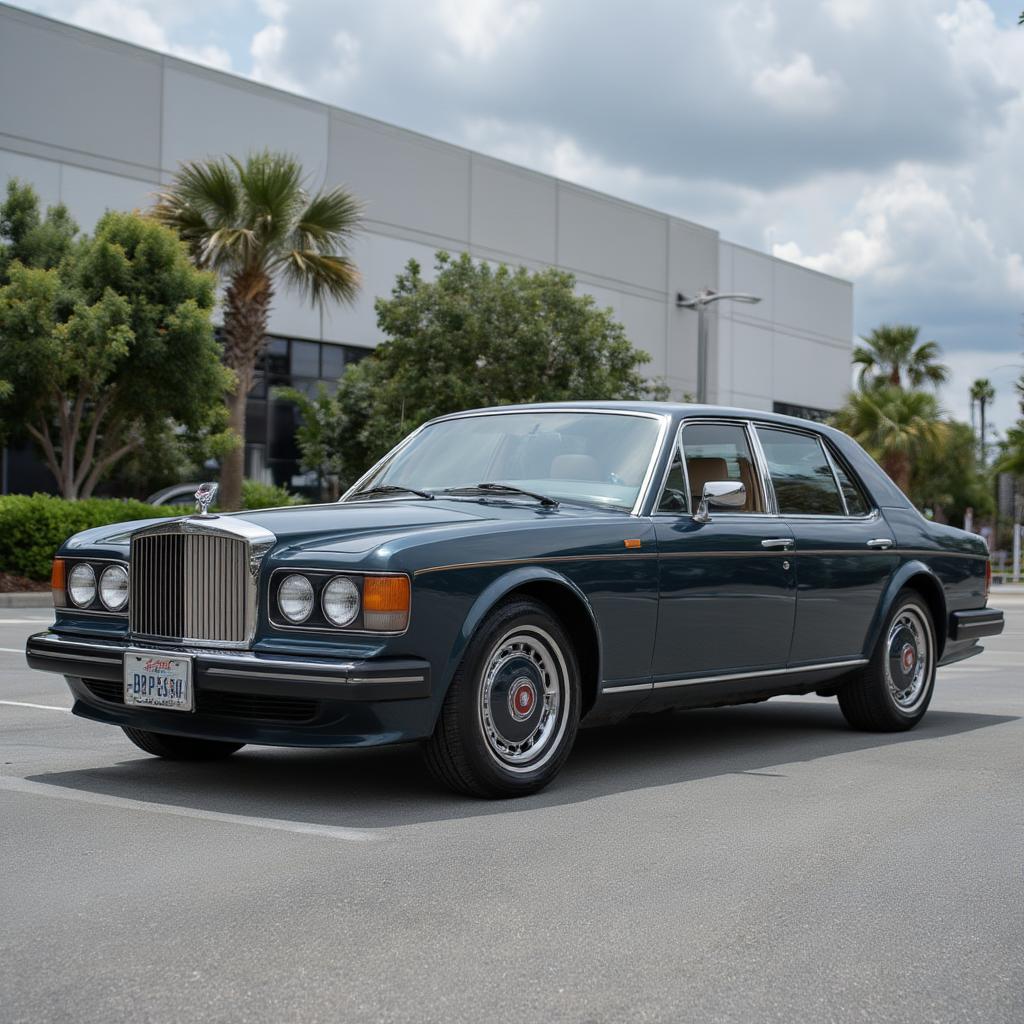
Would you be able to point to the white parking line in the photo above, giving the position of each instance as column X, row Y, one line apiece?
column 13, row 650
column 42, row 620
column 25, row 704
column 27, row 786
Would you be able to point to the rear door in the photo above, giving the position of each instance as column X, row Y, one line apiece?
column 727, row 588
column 844, row 553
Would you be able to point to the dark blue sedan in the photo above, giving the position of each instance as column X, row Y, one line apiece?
column 506, row 575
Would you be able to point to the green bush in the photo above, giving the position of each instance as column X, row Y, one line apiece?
column 258, row 495
column 32, row 527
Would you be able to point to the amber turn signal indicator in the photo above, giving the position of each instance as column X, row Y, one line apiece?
column 386, row 603
column 57, row 582
column 631, row 543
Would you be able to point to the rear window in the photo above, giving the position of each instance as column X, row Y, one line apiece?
column 801, row 474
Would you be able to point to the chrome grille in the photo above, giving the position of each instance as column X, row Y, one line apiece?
column 189, row 586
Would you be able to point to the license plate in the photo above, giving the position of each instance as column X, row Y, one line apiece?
column 156, row 680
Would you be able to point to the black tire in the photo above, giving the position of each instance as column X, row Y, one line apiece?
column 510, row 716
column 180, row 748
column 872, row 698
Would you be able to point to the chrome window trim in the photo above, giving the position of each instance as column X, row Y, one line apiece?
column 334, row 630
column 101, row 611
column 755, row 454
column 664, row 418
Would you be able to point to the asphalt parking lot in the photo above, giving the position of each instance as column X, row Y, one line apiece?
column 747, row 864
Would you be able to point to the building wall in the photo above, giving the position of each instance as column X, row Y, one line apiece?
column 100, row 124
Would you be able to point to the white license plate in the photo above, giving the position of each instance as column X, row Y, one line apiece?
column 156, row 680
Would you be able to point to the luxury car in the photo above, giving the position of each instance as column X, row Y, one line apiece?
column 504, row 575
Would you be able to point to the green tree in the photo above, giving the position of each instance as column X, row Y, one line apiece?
column 949, row 478
column 256, row 225
column 474, row 336
column 895, row 426
column 29, row 237
column 891, row 354
column 110, row 350
column 982, row 395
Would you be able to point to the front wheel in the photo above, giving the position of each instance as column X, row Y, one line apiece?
column 892, row 692
column 510, row 716
column 180, row 748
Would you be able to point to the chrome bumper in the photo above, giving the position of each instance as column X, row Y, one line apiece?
column 277, row 675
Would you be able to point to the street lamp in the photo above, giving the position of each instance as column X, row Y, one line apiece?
column 700, row 302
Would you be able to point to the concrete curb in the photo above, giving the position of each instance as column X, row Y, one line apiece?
column 32, row 599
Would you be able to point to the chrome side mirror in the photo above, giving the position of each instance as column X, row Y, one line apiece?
column 722, row 494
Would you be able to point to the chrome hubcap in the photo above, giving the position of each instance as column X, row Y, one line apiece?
column 524, row 698
column 908, row 658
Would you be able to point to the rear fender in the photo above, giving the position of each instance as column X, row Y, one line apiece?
column 916, row 575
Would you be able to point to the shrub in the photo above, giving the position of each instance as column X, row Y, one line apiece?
column 259, row 495
column 32, row 527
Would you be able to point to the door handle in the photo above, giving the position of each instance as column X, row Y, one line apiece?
column 778, row 542
column 880, row 542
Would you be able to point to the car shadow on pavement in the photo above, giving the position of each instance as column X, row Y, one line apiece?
column 389, row 786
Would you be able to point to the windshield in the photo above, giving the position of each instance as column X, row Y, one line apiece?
column 590, row 457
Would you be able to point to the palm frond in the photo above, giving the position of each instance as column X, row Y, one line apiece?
column 320, row 276
column 329, row 222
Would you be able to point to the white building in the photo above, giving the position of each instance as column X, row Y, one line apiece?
column 97, row 124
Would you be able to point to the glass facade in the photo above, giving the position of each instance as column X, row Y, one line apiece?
column 271, row 452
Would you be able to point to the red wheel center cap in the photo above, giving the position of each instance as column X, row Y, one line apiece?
column 521, row 699
column 908, row 656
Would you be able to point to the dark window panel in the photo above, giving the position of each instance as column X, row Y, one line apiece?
column 305, row 361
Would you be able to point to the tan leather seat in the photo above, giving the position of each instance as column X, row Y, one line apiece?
column 703, row 471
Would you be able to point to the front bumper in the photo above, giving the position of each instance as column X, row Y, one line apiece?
column 252, row 697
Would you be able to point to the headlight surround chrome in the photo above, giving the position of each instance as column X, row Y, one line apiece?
column 340, row 601
column 295, row 598
column 82, row 585
column 114, row 588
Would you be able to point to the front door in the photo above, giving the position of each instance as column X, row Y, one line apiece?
column 727, row 587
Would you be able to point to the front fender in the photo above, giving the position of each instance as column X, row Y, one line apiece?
column 500, row 588
column 930, row 586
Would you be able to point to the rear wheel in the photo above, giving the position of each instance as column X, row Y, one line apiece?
column 892, row 692
column 510, row 716
column 180, row 748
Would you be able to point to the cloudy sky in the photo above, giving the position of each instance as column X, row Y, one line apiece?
column 879, row 140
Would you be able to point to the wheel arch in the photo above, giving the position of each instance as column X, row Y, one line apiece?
column 567, row 603
column 916, row 576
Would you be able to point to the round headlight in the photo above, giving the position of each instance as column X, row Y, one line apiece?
column 295, row 598
column 114, row 588
column 82, row 585
column 340, row 601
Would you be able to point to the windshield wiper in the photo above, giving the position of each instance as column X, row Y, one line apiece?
column 392, row 489
column 493, row 488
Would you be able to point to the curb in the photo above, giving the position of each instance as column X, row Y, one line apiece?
column 32, row 599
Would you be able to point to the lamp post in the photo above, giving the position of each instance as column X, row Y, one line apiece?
column 700, row 302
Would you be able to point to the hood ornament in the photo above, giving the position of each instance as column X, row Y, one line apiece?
column 205, row 497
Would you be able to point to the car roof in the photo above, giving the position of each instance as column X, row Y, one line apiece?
column 677, row 410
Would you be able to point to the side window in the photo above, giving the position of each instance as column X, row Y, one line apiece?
column 673, row 497
column 856, row 503
column 801, row 474
column 719, row 451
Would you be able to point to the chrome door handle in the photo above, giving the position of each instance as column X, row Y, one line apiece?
column 880, row 542
column 778, row 542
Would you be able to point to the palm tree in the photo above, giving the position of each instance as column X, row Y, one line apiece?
column 892, row 350
column 894, row 425
column 255, row 224
column 984, row 394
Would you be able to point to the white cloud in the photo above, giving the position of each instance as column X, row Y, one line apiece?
column 796, row 88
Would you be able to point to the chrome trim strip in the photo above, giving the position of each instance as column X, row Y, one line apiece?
column 67, row 656
column 626, row 689
column 386, row 679
column 792, row 670
column 627, row 554
column 664, row 418
column 290, row 676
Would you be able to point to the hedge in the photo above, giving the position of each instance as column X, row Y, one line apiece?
column 32, row 527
